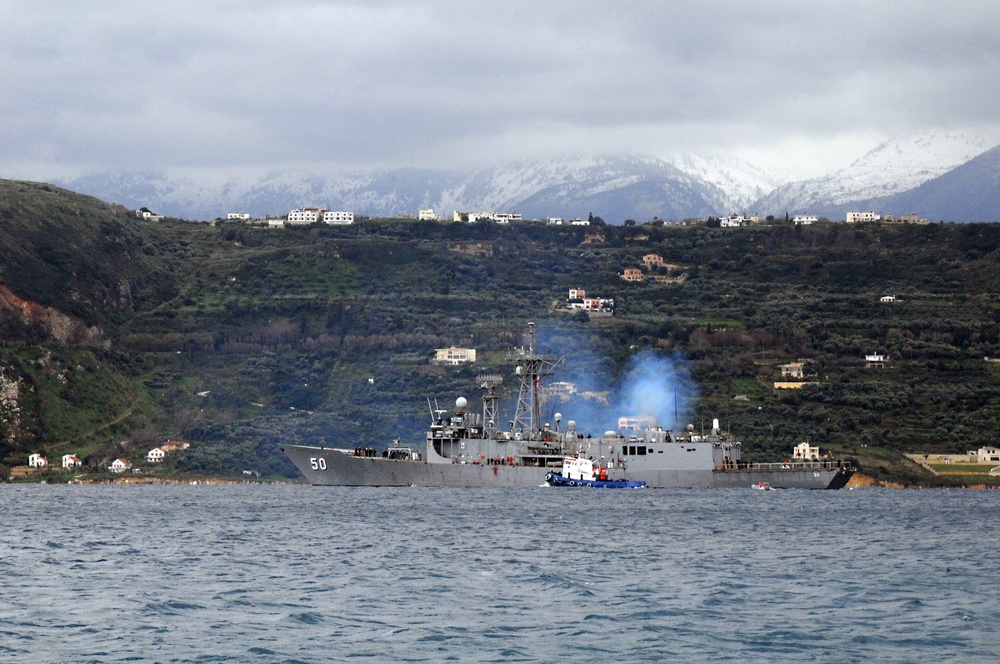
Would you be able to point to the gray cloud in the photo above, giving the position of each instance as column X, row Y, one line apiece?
column 320, row 85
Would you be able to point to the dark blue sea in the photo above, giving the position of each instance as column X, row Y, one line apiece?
column 269, row 573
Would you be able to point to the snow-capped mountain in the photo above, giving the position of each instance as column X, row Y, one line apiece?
column 891, row 168
column 740, row 182
column 970, row 192
column 613, row 187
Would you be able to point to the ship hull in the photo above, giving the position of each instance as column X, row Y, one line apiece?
column 330, row 467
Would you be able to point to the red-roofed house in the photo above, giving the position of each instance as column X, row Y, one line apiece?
column 71, row 461
column 174, row 445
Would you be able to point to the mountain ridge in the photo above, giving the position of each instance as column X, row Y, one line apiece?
column 614, row 187
column 564, row 186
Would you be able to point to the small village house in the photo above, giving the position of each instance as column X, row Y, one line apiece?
column 636, row 423
column 792, row 370
column 652, row 260
column 862, row 217
column 562, row 389
column 806, row 452
column 876, row 361
column 174, row 446
column 37, row 461
column 454, row 356
column 71, row 461
column 119, row 466
column 155, row 455
column 988, row 455
column 632, row 274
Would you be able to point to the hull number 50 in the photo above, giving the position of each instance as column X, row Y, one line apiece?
column 317, row 464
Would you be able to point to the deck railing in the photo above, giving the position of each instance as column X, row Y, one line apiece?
column 790, row 466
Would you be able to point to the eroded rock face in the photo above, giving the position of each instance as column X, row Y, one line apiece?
column 63, row 329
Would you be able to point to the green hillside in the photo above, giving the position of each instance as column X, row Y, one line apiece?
column 235, row 338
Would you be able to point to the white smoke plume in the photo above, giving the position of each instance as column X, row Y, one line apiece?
column 658, row 387
column 654, row 385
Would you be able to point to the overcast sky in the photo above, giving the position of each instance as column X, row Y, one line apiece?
column 254, row 86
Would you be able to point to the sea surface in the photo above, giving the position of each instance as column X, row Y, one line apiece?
column 272, row 573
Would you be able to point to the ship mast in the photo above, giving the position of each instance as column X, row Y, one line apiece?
column 490, row 383
column 530, row 369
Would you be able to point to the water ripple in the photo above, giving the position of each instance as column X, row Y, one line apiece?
column 306, row 574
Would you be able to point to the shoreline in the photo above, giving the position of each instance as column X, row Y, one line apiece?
column 858, row 481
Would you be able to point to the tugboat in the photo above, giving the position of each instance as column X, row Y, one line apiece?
column 582, row 472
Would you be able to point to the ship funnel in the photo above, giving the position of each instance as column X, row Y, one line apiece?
column 715, row 426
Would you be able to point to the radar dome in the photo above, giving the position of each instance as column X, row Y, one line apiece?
column 571, row 425
column 461, row 403
column 558, row 417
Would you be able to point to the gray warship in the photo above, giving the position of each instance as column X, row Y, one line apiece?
column 469, row 449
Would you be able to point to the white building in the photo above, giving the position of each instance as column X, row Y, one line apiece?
column 454, row 355
column 119, row 466
column 148, row 214
column 732, row 221
column 804, row 219
column 499, row 217
column 888, row 298
column 793, row 370
column 238, row 216
column 37, row 461
column 594, row 304
column 562, row 389
column 577, row 294
column 155, row 455
column 988, row 454
column 71, row 461
column 636, row 423
column 554, row 221
column 806, row 452
column 338, row 217
column 307, row 215
column 427, row 215
column 860, row 217
column 579, row 222
column 876, row 361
